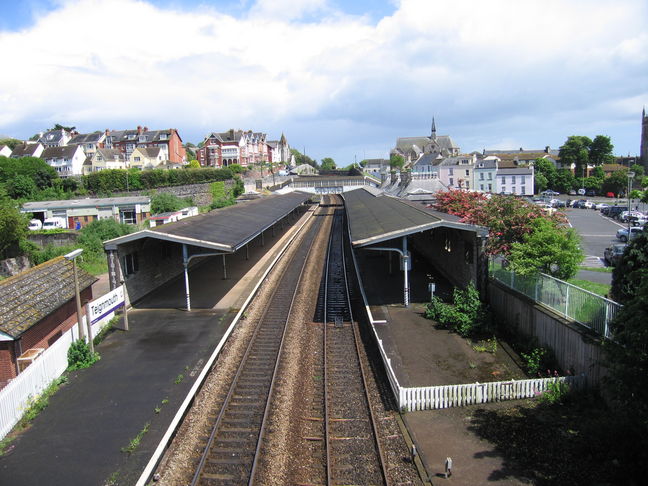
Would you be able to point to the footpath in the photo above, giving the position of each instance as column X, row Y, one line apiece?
column 104, row 424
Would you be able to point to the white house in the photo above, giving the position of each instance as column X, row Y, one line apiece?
column 67, row 161
column 5, row 151
column 172, row 216
column 518, row 181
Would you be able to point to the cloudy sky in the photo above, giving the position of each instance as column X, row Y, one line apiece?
column 340, row 78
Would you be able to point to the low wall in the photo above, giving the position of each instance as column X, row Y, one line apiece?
column 53, row 239
column 575, row 347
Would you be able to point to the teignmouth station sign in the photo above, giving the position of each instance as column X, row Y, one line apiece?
column 104, row 305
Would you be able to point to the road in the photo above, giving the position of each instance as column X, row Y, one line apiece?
column 597, row 233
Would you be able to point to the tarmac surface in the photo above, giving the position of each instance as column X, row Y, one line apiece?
column 82, row 437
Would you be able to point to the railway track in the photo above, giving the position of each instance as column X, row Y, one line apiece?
column 340, row 435
column 232, row 450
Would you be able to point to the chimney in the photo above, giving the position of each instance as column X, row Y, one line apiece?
column 107, row 132
column 145, row 129
column 393, row 177
column 139, row 129
column 547, row 149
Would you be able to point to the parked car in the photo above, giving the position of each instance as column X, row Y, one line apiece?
column 626, row 215
column 589, row 205
column 580, row 203
column 54, row 223
column 549, row 192
column 637, row 220
column 615, row 211
column 609, row 194
column 35, row 225
column 622, row 234
column 581, row 192
column 612, row 254
column 601, row 206
column 591, row 192
column 572, row 192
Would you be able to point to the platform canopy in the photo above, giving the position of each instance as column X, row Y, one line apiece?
column 375, row 217
column 226, row 229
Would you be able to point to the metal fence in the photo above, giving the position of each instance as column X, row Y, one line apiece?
column 586, row 308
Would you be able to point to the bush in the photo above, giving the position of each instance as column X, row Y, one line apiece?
column 466, row 316
column 534, row 360
column 556, row 392
column 80, row 356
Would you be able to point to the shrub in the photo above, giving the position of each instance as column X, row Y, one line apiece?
column 80, row 356
column 556, row 392
column 534, row 360
column 466, row 315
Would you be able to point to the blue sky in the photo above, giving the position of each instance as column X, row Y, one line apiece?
column 339, row 78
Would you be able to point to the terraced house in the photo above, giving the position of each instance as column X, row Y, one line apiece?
column 169, row 142
column 245, row 148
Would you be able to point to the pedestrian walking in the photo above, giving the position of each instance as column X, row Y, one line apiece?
column 448, row 467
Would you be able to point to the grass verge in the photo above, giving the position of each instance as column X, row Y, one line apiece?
column 594, row 287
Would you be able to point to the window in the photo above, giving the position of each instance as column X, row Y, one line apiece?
column 490, row 176
column 490, row 187
column 128, row 216
column 512, row 179
column 451, row 171
column 503, row 180
column 451, row 181
column 130, row 265
column 481, row 176
column 467, row 173
column 137, row 159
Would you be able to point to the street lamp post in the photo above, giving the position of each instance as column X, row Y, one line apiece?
column 630, row 177
column 72, row 256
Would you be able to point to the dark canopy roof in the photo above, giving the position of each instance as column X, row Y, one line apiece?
column 226, row 229
column 373, row 219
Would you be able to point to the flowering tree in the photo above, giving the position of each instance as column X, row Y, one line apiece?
column 508, row 219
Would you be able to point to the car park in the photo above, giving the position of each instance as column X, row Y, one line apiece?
column 615, row 211
column 622, row 234
column 613, row 253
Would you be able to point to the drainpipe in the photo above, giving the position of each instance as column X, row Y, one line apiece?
column 405, row 257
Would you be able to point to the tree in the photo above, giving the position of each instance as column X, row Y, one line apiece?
column 616, row 183
column 639, row 172
column 164, row 202
column 507, row 218
column 303, row 159
column 545, row 174
column 575, row 151
column 328, row 164
column 631, row 271
column 396, row 162
column 92, row 236
column 12, row 143
column 548, row 248
column 600, row 151
column 564, row 181
column 193, row 164
column 36, row 169
column 627, row 355
column 20, row 187
column 13, row 227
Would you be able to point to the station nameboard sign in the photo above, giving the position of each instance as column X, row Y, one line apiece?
column 104, row 305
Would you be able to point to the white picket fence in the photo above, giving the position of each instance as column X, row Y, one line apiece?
column 446, row 396
column 18, row 395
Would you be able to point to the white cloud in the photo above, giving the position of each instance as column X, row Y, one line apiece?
column 475, row 65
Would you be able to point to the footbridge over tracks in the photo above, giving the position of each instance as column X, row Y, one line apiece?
column 328, row 184
column 147, row 259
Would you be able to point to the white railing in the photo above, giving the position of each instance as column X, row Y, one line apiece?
column 18, row 395
column 446, row 396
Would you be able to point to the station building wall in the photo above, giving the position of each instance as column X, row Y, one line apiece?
column 458, row 255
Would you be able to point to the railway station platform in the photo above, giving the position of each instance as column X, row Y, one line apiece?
column 423, row 355
column 103, row 425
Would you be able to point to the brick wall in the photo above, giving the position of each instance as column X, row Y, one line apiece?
column 41, row 335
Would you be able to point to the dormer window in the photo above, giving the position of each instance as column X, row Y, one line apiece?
column 142, row 138
column 164, row 136
column 132, row 137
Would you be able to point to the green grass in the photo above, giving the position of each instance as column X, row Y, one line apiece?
column 135, row 441
column 594, row 287
column 598, row 269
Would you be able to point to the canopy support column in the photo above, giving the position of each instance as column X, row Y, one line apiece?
column 185, row 264
column 224, row 268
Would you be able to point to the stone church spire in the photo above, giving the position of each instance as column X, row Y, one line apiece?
column 433, row 135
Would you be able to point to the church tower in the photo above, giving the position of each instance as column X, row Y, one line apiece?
column 433, row 135
column 644, row 139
